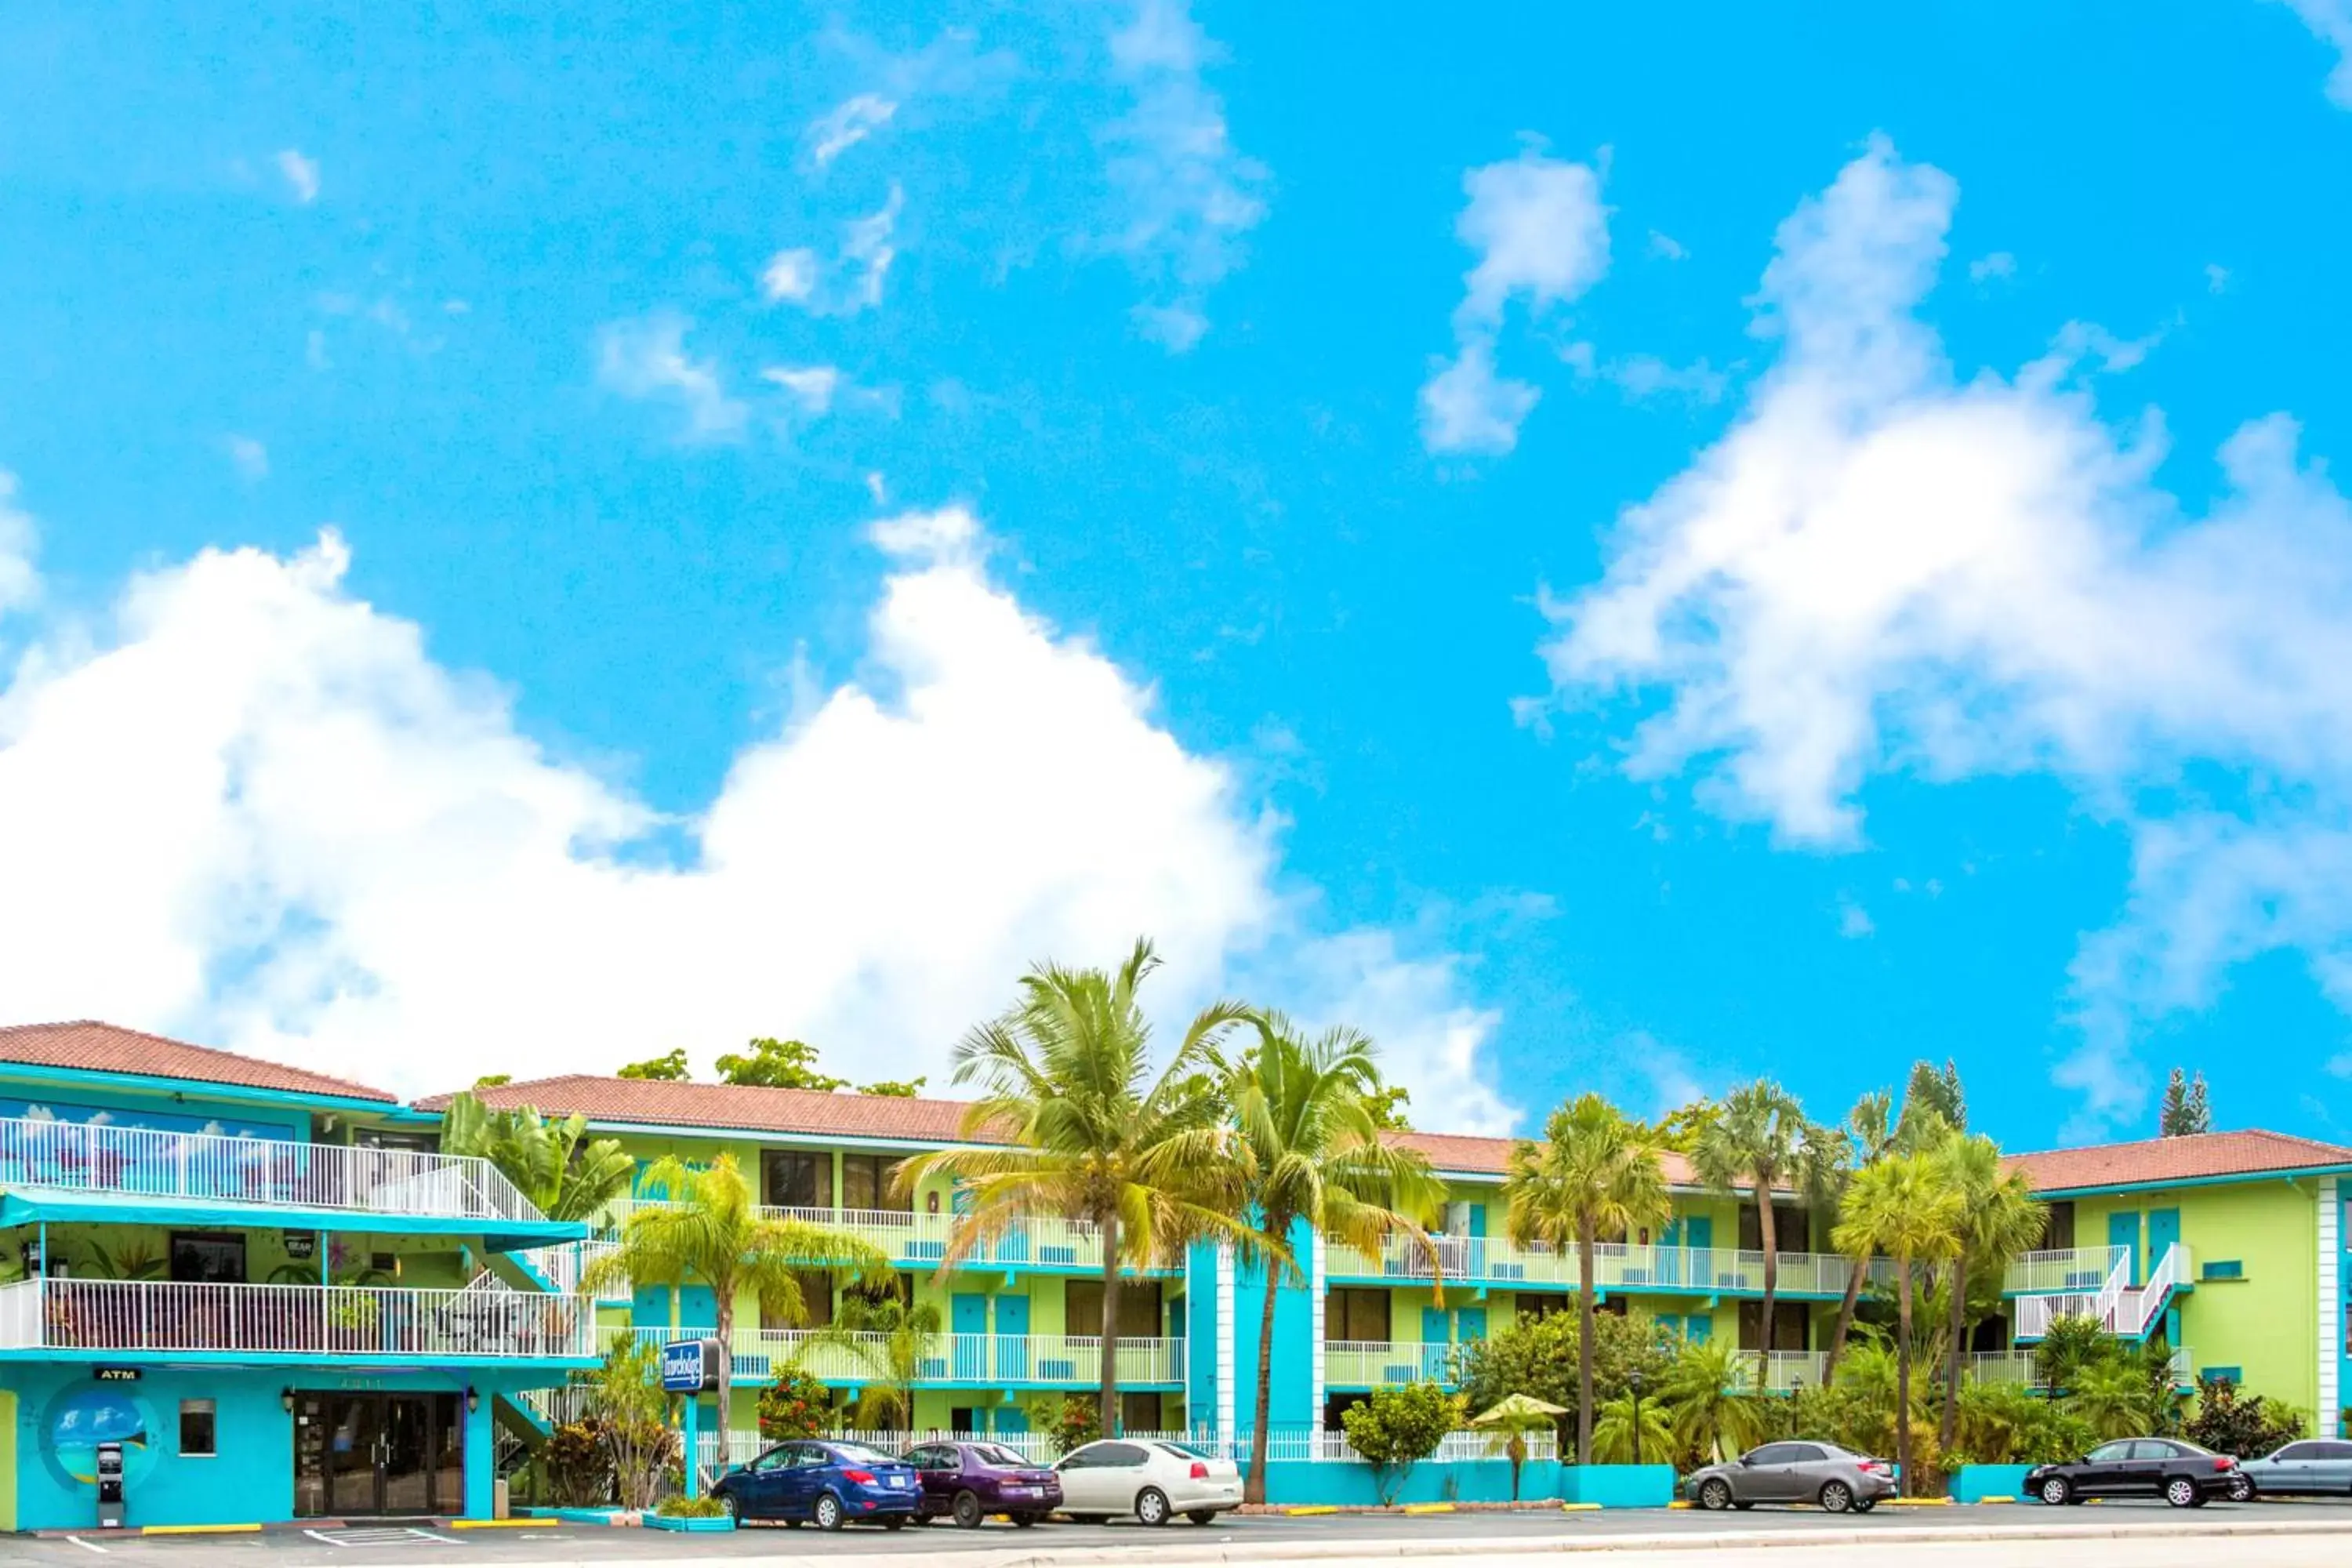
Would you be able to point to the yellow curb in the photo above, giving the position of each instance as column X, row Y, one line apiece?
column 200, row 1530
column 499, row 1523
column 1577, row 1507
column 1919, row 1502
column 1306, row 1509
column 1429, row 1507
column 1982, row 1501
column 1679, row 1502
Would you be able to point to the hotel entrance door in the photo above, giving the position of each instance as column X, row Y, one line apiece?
column 377, row 1454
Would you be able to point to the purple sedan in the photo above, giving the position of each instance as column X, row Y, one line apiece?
column 969, row 1481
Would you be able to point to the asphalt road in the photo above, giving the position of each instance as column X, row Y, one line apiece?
column 2159, row 1538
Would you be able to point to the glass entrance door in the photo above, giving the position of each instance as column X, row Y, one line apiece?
column 372, row 1454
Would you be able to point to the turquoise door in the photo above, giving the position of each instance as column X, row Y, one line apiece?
column 1477, row 1264
column 1436, row 1332
column 1012, row 1339
column 1009, row 1419
column 1698, row 1328
column 1670, row 1254
column 2123, row 1230
column 1698, row 1235
column 967, row 1321
column 2163, row 1234
column 1470, row 1322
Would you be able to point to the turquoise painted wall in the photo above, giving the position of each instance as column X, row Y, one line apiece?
column 1301, row 1481
column 1293, row 1391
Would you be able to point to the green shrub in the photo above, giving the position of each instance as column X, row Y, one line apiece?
column 1399, row 1427
column 1537, row 1356
column 2247, row 1427
column 691, row 1508
column 1073, row 1424
column 794, row 1405
column 578, row 1465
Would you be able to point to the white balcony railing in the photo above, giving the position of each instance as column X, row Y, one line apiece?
column 1786, row 1370
column 566, row 1263
column 912, row 1240
column 1373, row 1363
column 983, row 1361
column 1616, row 1265
column 2118, row 1305
column 2074, row 1270
column 327, row 1321
column 2015, row 1367
column 44, row 1155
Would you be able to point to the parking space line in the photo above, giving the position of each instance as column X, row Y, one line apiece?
column 86, row 1545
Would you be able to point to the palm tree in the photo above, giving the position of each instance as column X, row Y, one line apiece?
column 2113, row 1396
column 1624, row 1435
column 1904, row 1207
column 1710, row 1418
column 1596, row 1172
column 711, row 1229
column 893, row 1338
column 1084, row 1128
column 1760, row 1142
column 1308, row 1157
column 2000, row 1218
column 546, row 1161
column 1868, row 1133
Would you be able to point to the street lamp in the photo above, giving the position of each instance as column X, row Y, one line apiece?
column 1634, row 1383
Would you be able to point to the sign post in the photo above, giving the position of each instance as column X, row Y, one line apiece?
column 690, row 1367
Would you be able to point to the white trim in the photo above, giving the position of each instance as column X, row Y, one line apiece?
column 1226, row 1346
column 2331, row 1320
column 1316, row 1293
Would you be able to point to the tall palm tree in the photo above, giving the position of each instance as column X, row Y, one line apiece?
column 548, row 1162
column 1904, row 1207
column 2000, row 1218
column 1309, row 1158
column 1761, row 1142
column 712, row 1230
column 1082, row 1126
column 1868, row 1133
column 892, row 1337
column 1596, row 1172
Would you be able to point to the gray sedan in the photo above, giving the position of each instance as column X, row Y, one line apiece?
column 2314, row 1465
column 1820, row 1473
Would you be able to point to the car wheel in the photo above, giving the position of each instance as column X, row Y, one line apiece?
column 969, row 1514
column 1714, row 1495
column 2242, row 1488
column 2181, row 1492
column 2056, row 1492
column 1151, row 1506
column 1202, row 1516
column 734, row 1510
column 1836, row 1496
column 1025, row 1520
column 828, row 1511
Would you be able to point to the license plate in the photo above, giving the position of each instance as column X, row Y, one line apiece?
column 1021, row 1491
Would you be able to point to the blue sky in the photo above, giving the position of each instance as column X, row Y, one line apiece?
column 1606, row 547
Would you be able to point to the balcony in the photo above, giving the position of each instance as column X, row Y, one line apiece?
column 948, row 1360
column 1046, row 1243
column 1616, row 1265
column 2074, row 1270
column 1375, row 1363
column 43, row 1161
column 1785, row 1372
column 272, row 1322
column 2127, row 1311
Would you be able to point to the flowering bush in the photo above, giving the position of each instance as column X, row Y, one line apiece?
column 794, row 1405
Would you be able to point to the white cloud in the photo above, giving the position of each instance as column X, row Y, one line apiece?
column 1186, row 195
column 1880, row 568
column 250, row 808
column 811, row 386
column 853, row 280
column 251, row 457
column 1646, row 375
column 1667, row 247
column 2000, row 264
column 2217, row 277
column 1855, row 921
column 646, row 359
column 1542, row 236
column 846, row 124
column 302, row 175
column 789, row 277
column 2330, row 22
column 19, row 584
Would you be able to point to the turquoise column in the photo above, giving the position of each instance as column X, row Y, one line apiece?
column 481, row 1456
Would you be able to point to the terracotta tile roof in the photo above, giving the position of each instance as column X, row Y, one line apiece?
column 105, row 1047
column 1491, row 1156
column 732, row 1106
column 2250, row 1152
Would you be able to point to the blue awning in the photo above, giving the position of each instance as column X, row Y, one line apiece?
column 20, row 1208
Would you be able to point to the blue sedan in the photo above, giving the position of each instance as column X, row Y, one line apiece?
column 828, row 1484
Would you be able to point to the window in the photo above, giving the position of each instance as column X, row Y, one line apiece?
column 2230, row 1375
column 796, row 1178
column 1356, row 1313
column 2299, row 1451
column 2223, row 1269
column 201, row 1259
column 1532, row 1304
column 1789, row 1228
column 866, row 1184
column 773, row 1459
column 2150, row 1448
column 1805, row 1453
column 1117, row 1456
column 1138, row 1308
column 1774, row 1454
column 995, row 1454
column 817, row 1303
column 198, row 1429
column 2109, row 1452
column 2058, row 1232
column 1139, row 1413
column 2336, row 1450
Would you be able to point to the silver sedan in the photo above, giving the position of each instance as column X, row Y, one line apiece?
column 2314, row 1467
column 1820, row 1473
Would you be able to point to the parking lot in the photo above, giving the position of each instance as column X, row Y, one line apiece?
column 1336, row 1538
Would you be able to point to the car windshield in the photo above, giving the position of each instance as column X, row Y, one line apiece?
column 990, row 1453
column 859, row 1454
column 1180, row 1451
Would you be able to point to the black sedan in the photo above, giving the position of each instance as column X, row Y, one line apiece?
column 2182, row 1474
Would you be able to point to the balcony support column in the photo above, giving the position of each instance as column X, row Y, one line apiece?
column 481, row 1455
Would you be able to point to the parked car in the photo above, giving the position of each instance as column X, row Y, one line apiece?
column 1820, row 1473
column 2181, row 1473
column 1152, row 1480
column 829, row 1484
column 2320, row 1467
column 969, row 1481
